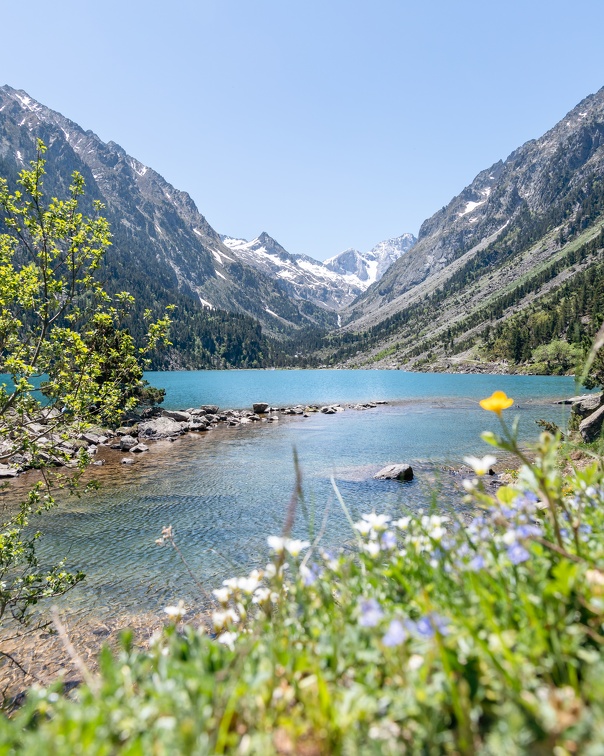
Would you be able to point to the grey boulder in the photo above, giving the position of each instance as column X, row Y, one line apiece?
column 160, row 427
column 181, row 417
column 127, row 442
column 395, row 472
column 592, row 425
column 260, row 407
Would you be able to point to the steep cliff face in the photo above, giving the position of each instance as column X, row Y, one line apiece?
column 541, row 183
column 160, row 237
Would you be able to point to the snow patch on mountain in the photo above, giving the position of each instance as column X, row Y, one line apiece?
column 332, row 284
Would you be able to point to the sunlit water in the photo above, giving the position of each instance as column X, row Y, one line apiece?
column 224, row 491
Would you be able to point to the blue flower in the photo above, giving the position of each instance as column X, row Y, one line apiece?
column 477, row 563
column 371, row 613
column 427, row 626
column 395, row 635
column 528, row 531
column 388, row 540
column 517, row 553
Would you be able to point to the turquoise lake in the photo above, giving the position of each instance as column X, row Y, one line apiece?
column 224, row 491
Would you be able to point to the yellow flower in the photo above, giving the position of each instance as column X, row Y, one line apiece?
column 497, row 402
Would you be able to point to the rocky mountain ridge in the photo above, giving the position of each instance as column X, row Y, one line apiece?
column 333, row 283
column 159, row 235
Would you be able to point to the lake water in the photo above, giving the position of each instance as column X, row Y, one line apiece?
column 224, row 491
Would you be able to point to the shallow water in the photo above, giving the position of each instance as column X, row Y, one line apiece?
column 224, row 491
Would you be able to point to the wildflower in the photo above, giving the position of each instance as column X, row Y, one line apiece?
column 309, row 574
column 517, row 553
column 294, row 547
column 363, row 527
column 497, row 402
column 249, row 584
column 402, row 523
column 223, row 619
column 430, row 624
column 371, row 613
column 477, row 563
column 227, row 639
column 372, row 548
column 528, row 531
column 261, row 596
column 176, row 613
column 481, row 466
column 222, row 595
column 377, row 522
column 388, row 540
column 276, row 543
column 415, row 661
column 395, row 635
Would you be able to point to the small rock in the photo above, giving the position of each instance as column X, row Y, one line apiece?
column 260, row 407
column 210, row 409
column 99, row 462
column 127, row 442
column 395, row 472
column 8, row 472
column 128, row 461
column 139, row 448
column 181, row 417
column 92, row 438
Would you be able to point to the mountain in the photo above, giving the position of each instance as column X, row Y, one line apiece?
column 371, row 266
column 332, row 284
column 521, row 230
column 161, row 242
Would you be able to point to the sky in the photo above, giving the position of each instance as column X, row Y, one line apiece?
column 328, row 124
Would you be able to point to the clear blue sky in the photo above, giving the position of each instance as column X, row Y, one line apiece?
column 328, row 123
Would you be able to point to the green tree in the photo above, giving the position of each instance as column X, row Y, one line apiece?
column 65, row 358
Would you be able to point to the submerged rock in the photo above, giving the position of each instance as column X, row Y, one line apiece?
column 395, row 472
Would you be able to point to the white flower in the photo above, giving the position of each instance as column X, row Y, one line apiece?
column 176, row 613
column 228, row 639
column 231, row 584
column 481, row 466
column 222, row 619
column 249, row 584
column 402, row 524
column 415, row 661
column 295, row 547
column 378, row 522
column 372, row 548
column 223, row 595
column 276, row 543
column 363, row 527
column 261, row 596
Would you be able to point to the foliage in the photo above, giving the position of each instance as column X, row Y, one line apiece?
column 65, row 358
column 437, row 634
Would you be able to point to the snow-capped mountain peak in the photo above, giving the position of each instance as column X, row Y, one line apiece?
column 334, row 283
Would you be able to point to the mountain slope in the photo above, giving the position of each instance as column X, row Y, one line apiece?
column 160, row 236
column 509, row 231
column 535, row 182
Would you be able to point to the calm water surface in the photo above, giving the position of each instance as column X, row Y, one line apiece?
column 226, row 490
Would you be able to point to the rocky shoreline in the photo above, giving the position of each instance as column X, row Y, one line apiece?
column 131, row 438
